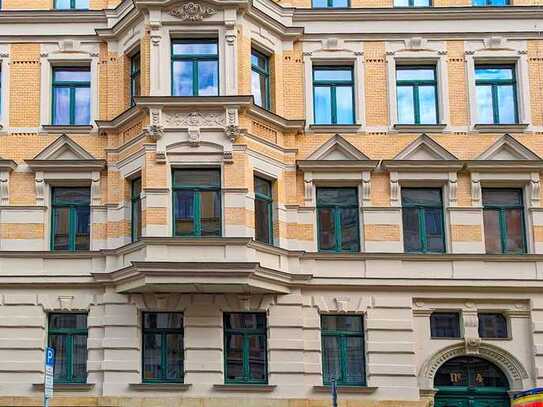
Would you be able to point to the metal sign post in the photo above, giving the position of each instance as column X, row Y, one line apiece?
column 334, row 393
column 49, row 369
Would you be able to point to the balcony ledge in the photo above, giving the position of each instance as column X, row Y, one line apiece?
column 346, row 389
column 501, row 128
column 66, row 387
column 67, row 129
column 159, row 386
column 419, row 128
column 249, row 388
column 334, row 128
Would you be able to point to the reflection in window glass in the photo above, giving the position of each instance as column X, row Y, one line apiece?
column 71, row 219
column 71, row 96
column 260, row 79
column 445, row 325
column 263, row 210
column 195, row 68
column 338, row 219
column 416, row 89
column 333, row 96
column 492, row 325
column 412, row 3
column 330, row 3
column 496, row 94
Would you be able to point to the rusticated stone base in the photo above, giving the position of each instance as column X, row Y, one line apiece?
column 63, row 401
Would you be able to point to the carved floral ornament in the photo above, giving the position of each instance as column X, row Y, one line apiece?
column 192, row 11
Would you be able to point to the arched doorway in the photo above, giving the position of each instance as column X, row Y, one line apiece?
column 470, row 382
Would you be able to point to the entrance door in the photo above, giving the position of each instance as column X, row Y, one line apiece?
column 471, row 382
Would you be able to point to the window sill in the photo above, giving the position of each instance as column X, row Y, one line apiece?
column 66, row 386
column 345, row 389
column 250, row 388
column 512, row 128
column 159, row 386
column 420, row 128
column 334, row 128
column 67, row 129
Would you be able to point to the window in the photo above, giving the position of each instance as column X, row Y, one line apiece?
column 71, row 4
column 331, row 3
column 422, row 213
column 136, row 209
column 197, row 202
column 260, row 79
column 245, row 348
column 416, row 92
column 445, row 325
column 135, row 77
column 496, row 94
column 337, row 217
column 343, row 350
column 71, row 96
column 263, row 211
column 163, row 353
column 412, row 3
column 195, row 67
column 503, row 218
column 488, row 3
column 333, row 96
column 68, row 336
column 71, row 219
column 492, row 326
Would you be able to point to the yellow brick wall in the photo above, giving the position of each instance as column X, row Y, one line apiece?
column 375, row 84
column 458, row 99
column 293, row 83
column 24, row 91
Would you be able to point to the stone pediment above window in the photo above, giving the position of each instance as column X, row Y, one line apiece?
column 337, row 154
column 64, row 154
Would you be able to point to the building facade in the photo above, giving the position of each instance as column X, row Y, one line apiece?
column 209, row 203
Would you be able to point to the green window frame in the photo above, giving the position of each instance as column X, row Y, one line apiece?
column 338, row 209
column 495, row 84
column 73, row 224
column 72, row 86
column 135, row 77
column 263, row 72
column 264, row 201
column 166, row 347
column 135, row 200
column 196, row 60
column 342, row 337
column 423, row 209
column 73, row 5
column 415, row 85
column 248, row 336
column 198, row 189
column 71, row 337
column 333, row 85
column 502, row 210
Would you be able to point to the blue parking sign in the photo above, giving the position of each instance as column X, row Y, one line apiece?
column 50, row 357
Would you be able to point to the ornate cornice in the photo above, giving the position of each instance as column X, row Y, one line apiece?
column 192, row 11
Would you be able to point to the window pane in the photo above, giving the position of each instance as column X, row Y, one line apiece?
column 68, row 321
column 262, row 221
column 81, row 4
column 331, row 358
column 506, row 104
column 263, row 187
column 484, row 104
column 163, row 320
column 349, row 229
column 406, row 109
column 257, row 357
column 434, row 229
column 68, row 196
column 195, row 48
column 327, row 229
column 82, row 105
column 174, row 357
column 61, row 237
column 333, row 75
column 244, row 320
column 210, row 213
column 82, row 236
column 482, row 72
column 492, row 326
column 491, row 220
column 422, row 3
column 182, row 78
column 323, row 105
column 258, row 88
column 337, row 196
column 354, row 363
column 234, row 357
column 415, row 74
column 61, row 114
column 340, row 3
column 208, row 78
column 401, row 3
column 411, row 230
column 341, row 323
column 79, row 358
column 198, row 178
column 344, row 105
column 320, row 3
column 151, row 356
column 445, row 325
column 72, row 75
column 62, row 4
column 421, row 196
column 59, row 343
column 184, row 212
column 515, row 238
column 502, row 196
column 427, row 104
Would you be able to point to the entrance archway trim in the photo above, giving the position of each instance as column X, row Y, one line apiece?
column 511, row 367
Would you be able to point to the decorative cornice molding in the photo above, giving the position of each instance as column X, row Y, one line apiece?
column 192, row 11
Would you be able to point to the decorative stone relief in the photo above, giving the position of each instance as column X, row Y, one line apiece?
column 415, row 43
column 4, row 188
column 495, row 42
column 366, row 187
column 192, row 11
column 394, row 189
column 535, row 189
column 96, row 192
column 194, row 119
column 472, row 345
column 65, row 302
column 40, row 188
column 475, row 189
column 453, row 187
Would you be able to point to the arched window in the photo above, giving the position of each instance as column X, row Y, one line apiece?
column 467, row 371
